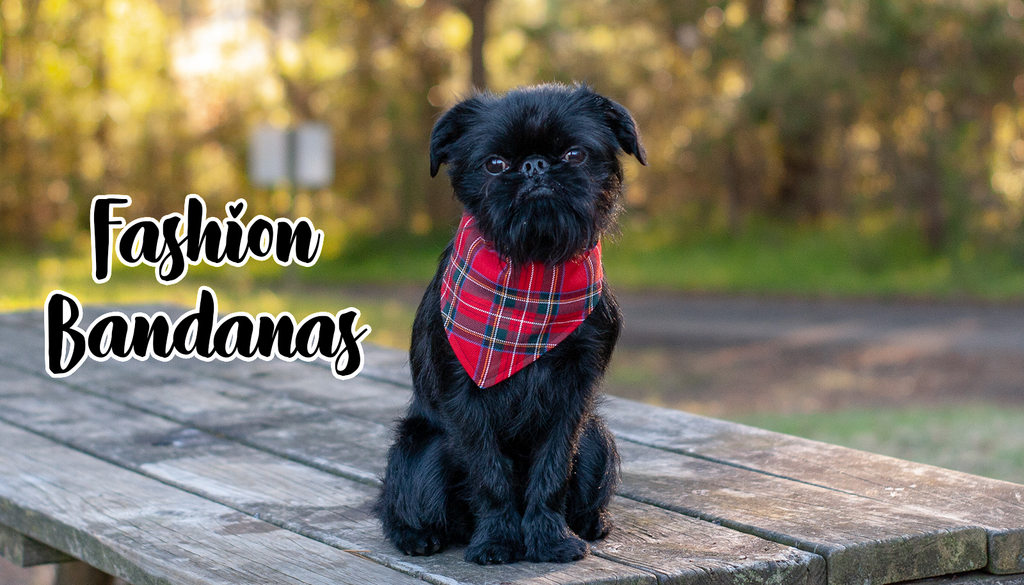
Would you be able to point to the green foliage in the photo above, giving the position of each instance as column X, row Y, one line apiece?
column 797, row 111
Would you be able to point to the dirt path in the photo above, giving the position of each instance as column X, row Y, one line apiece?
column 725, row 355
column 728, row 355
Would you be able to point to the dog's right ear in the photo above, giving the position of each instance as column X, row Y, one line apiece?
column 449, row 129
column 624, row 126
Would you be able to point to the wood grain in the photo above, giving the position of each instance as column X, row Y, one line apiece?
column 882, row 539
column 147, row 532
column 998, row 506
column 334, row 510
column 316, row 436
column 860, row 538
column 972, row 578
column 863, row 541
column 694, row 551
column 994, row 504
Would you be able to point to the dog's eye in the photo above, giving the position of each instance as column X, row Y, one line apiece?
column 496, row 165
column 574, row 156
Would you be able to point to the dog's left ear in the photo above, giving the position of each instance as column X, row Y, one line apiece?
column 448, row 129
column 623, row 126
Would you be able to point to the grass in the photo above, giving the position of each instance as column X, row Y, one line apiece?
column 393, row 258
column 836, row 261
column 258, row 287
column 833, row 261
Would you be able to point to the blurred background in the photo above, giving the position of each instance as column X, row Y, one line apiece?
column 827, row 241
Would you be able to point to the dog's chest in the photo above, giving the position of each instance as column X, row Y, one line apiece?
column 528, row 405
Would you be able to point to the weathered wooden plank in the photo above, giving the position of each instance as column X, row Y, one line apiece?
column 903, row 552
column 380, row 363
column 26, row 552
column 363, row 396
column 972, row 578
column 908, row 544
column 388, row 365
column 177, row 389
column 315, row 504
column 331, row 509
column 996, row 505
column 331, row 441
column 301, row 381
column 685, row 552
column 862, row 540
column 255, row 415
column 147, row 532
column 847, row 530
column 360, row 397
column 305, row 381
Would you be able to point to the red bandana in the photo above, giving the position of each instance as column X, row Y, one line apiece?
column 499, row 319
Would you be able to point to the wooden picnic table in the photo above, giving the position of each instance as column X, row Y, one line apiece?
column 265, row 472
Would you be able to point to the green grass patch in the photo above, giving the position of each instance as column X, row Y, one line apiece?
column 391, row 258
column 982, row 439
column 835, row 261
column 838, row 260
column 257, row 287
column 816, row 261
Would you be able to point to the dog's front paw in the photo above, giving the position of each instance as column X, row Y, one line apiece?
column 496, row 552
column 563, row 550
column 595, row 527
column 419, row 542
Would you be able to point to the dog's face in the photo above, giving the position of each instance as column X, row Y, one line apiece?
column 537, row 167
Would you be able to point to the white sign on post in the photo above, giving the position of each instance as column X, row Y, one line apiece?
column 314, row 156
column 268, row 156
column 304, row 156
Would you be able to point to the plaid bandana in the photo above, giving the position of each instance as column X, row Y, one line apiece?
column 499, row 319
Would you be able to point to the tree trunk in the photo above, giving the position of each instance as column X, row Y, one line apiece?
column 798, row 197
column 476, row 10
column 931, row 200
column 734, row 182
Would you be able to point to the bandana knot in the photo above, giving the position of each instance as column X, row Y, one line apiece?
column 499, row 318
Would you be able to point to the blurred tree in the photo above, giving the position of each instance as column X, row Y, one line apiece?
column 478, row 12
column 806, row 110
column 932, row 76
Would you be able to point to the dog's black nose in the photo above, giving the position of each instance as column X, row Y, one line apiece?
column 534, row 165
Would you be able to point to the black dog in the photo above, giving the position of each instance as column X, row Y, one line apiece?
column 524, row 467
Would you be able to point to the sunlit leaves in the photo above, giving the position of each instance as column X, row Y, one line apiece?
column 876, row 105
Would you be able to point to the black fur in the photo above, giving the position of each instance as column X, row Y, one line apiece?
column 525, row 468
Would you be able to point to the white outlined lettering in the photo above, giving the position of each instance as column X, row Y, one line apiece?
column 170, row 246
column 199, row 333
column 178, row 240
column 101, row 228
